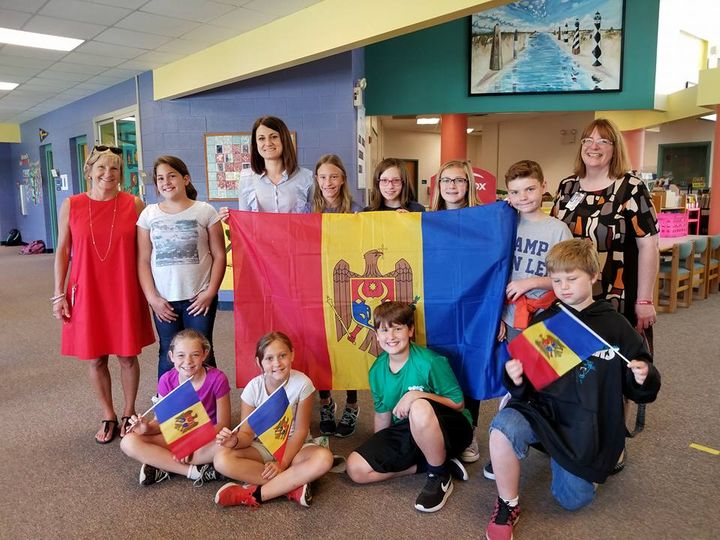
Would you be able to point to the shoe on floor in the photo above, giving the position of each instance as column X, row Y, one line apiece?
column 327, row 418
column 110, row 430
column 348, row 422
column 436, row 491
column 503, row 520
column 150, row 475
column 232, row 494
column 488, row 471
column 472, row 453
column 620, row 465
column 456, row 469
column 301, row 495
column 207, row 474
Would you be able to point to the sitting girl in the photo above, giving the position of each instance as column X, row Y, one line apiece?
column 244, row 458
column 188, row 350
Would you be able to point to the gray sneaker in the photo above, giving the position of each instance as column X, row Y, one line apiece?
column 348, row 422
column 149, row 475
column 472, row 453
column 327, row 418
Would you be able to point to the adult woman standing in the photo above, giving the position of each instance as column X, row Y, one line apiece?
column 101, row 304
column 606, row 204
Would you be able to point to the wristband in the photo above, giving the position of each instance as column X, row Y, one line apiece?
column 644, row 303
column 57, row 297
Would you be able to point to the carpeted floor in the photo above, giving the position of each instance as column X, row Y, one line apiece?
column 58, row 483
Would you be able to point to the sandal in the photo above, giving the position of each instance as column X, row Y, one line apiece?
column 111, row 427
column 124, row 425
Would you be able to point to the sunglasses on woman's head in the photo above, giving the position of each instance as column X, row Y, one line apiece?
column 103, row 148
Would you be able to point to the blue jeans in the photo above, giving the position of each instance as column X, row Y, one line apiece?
column 167, row 330
column 570, row 491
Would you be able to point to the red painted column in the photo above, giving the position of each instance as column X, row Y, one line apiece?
column 714, row 224
column 635, row 144
column 453, row 137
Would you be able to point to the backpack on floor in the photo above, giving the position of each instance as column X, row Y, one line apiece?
column 14, row 238
column 34, row 247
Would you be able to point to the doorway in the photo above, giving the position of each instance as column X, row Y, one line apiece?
column 687, row 163
column 50, row 186
column 78, row 153
column 411, row 166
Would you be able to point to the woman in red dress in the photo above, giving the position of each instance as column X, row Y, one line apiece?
column 101, row 303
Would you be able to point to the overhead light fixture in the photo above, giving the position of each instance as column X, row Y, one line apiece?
column 40, row 41
column 470, row 130
column 428, row 121
column 710, row 117
column 8, row 85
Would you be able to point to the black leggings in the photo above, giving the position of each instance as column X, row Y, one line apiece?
column 351, row 395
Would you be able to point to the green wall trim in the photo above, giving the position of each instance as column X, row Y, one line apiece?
column 427, row 72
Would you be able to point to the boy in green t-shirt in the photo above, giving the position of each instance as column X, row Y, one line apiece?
column 421, row 424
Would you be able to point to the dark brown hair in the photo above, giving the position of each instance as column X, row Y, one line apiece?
column 289, row 156
column 265, row 341
column 620, row 163
column 376, row 198
column 179, row 165
column 389, row 313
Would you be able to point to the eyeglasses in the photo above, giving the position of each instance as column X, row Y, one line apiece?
column 390, row 181
column 453, row 181
column 588, row 141
column 103, row 148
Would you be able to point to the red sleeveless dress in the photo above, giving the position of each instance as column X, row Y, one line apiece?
column 108, row 311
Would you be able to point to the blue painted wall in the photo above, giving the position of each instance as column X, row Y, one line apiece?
column 9, row 198
column 427, row 72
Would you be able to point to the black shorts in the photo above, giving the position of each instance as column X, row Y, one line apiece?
column 393, row 449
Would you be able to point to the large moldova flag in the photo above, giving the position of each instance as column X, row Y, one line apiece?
column 318, row 277
column 271, row 422
column 552, row 347
column 184, row 423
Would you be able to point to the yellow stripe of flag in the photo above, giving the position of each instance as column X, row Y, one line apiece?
column 562, row 359
column 367, row 258
column 186, row 422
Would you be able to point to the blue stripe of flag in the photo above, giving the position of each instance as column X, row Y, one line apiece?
column 269, row 412
column 179, row 400
column 574, row 334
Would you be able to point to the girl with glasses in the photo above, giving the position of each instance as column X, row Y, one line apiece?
column 455, row 187
column 391, row 189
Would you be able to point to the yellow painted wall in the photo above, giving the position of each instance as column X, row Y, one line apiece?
column 10, row 133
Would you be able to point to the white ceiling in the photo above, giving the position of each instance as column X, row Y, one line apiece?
column 123, row 38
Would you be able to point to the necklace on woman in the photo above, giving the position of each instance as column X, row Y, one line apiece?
column 112, row 228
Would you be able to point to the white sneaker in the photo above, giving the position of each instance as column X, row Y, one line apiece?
column 472, row 453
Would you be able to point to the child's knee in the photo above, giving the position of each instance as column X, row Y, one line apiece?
column 421, row 413
column 357, row 468
column 573, row 499
column 129, row 443
column 323, row 459
column 221, row 458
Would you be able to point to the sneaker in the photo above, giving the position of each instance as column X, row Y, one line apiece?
column 207, row 474
column 488, row 471
column 502, row 521
column 436, row 491
column 232, row 494
column 149, row 475
column 301, row 495
column 457, row 471
column 327, row 418
column 348, row 422
column 472, row 453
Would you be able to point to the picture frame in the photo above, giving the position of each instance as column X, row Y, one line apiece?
column 569, row 47
column 227, row 155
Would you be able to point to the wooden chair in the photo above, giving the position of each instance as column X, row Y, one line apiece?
column 675, row 277
column 713, row 265
column 700, row 274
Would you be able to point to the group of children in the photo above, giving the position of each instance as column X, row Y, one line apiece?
column 421, row 423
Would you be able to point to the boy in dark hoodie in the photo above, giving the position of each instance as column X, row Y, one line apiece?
column 579, row 417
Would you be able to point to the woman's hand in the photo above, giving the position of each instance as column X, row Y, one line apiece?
column 646, row 316
column 201, row 303
column 162, row 309
column 224, row 213
column 61, row 309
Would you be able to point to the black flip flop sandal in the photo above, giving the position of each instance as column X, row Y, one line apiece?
column 109, row 426
column 124, row 425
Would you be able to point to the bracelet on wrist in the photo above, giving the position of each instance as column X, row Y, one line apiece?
column 644, row 303
column 58, row 301
column 57, row 297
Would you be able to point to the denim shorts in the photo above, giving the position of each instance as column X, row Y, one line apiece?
column 570, row 491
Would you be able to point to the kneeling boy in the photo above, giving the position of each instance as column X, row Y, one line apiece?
column 579, row 417
column 420, row 421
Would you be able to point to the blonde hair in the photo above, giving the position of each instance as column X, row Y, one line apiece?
column 620, row 163
column 573, row 254
column 96, row 155
column 319, row 204
column 191, row 334
column 437, row 202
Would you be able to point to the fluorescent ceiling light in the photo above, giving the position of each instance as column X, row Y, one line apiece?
column 41, row 41
column 428, row 121
column 8, row 85
column 711, row 117
column 470, row 130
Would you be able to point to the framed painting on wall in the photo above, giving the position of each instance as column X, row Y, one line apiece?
column 551, row 47
column 226, row 155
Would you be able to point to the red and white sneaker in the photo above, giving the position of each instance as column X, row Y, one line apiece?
column 502, row 521
column 301, row 495
column 232, row 494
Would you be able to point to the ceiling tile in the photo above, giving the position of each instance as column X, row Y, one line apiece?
column 13, row 19
column 199, row 10
column 242, row 20
column 77, row 10
column 10, row 60
column 28, row 6
column 156, row 24
column 92, row 59
column 130, row 4
column 65, row 76
column 120, row 36
column 63, row 27
column 69, row 67
column 109, row 49
column 30, row 52
column 12, row 73
column 57, row 84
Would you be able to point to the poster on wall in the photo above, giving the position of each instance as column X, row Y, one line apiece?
column 548, row 46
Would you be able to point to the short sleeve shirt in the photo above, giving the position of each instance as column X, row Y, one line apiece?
column 214, row 387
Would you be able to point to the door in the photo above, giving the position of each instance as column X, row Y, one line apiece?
column 120, row 128
column 79, row 153
column 50, row 186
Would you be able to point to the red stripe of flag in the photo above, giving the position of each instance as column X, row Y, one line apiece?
column 197, row 438
column 534, row 364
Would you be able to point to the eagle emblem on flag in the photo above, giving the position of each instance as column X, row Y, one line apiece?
column 185, row 421
column 550, row 346
column 356, row 296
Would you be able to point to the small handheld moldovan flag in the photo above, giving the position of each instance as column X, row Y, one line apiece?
column 184, row 423
column 271, row 422
column 552, row 347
